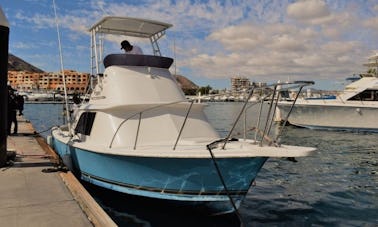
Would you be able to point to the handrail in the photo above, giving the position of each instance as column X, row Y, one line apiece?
column 244, row 109
column 288, row 114
column 270, row 109
column 259, row 118
column 261, row 101
column 183, row 124
column 274, row 99
column 137, row 134
column 237, row 119
column 273, row 105
column 274, row 112
column 141, row 112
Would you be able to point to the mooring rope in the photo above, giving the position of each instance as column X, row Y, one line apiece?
column 224, row 183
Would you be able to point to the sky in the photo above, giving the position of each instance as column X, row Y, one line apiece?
column 211, row 41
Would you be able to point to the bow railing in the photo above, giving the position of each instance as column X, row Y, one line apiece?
column 267, row 95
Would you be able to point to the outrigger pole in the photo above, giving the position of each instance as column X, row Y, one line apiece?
column 62, row 70
column 4, row 47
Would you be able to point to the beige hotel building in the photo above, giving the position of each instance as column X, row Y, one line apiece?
column 76, row 82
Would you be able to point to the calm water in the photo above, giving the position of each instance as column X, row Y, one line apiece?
column 337, row 186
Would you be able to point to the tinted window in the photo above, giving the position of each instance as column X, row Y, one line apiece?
column 367, row 95
column 84, row 126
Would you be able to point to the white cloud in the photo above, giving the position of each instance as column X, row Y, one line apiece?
column 38, row 21
column 309, row 10
column 238, row 37
column 22, row 45
column 276, row 51
column 259, row 39
column 371, row 23
column 340, row 47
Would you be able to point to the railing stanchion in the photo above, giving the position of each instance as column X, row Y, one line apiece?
column 288, row 114
column 183, row 124
column 259, row 118
column 237, row 119
column 269, row 111
column 137, row 133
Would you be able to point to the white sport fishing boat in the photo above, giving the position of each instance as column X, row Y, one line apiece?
column 354, row 109
column 138, row 134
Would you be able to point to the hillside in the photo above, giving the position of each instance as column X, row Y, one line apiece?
column 17, row 64
column 187, row 85
column 185, row 82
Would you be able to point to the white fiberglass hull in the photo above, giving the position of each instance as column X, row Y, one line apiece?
column 332, row 115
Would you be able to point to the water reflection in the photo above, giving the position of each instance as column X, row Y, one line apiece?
column 138, row 211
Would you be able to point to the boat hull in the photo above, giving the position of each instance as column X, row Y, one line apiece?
column 332, row 116
column 193, row 181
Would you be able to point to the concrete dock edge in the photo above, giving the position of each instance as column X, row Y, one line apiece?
column 37, row 192
column 94, row 212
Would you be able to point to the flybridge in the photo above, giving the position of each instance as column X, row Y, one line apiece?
column 373, row 62
column 128, row 26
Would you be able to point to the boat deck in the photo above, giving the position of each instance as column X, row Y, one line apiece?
column 194, row 148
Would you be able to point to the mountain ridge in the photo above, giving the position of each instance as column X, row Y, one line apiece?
column 17, row 64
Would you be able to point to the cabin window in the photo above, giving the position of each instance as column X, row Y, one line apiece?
column 285, row 94
column 367, row 95
column 84, row 126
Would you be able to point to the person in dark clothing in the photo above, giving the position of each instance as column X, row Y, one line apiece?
column 76, row 104
column 12, row 111
column 130, row 49
column 20, row 104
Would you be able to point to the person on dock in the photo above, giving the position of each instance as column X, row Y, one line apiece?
column 12, row 110
column 20, row 104
column 130, row 49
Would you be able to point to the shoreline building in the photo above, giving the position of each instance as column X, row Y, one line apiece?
column 76, row 82
column 240, row 84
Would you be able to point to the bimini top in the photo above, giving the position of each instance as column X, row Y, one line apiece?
column 129, row 26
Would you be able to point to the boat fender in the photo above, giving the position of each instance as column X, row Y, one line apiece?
column 358, row 110
column 49, row 141
column 149, row 73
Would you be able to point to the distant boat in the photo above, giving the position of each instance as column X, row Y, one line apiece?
column 38, row 96
column 139, row 135
column 355, row 108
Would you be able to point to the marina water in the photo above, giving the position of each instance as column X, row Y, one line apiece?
column 337, row 186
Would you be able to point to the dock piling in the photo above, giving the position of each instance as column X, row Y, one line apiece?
column 4, row 46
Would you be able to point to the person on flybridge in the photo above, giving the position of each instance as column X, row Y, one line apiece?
column 130, row 49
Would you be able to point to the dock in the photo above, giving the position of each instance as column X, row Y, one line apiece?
column 34, row 192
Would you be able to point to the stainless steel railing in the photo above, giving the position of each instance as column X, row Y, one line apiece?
column 271, row 96
column 149, row 109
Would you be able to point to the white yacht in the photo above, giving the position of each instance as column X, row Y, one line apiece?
column 38, row 96
column 355, row 108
